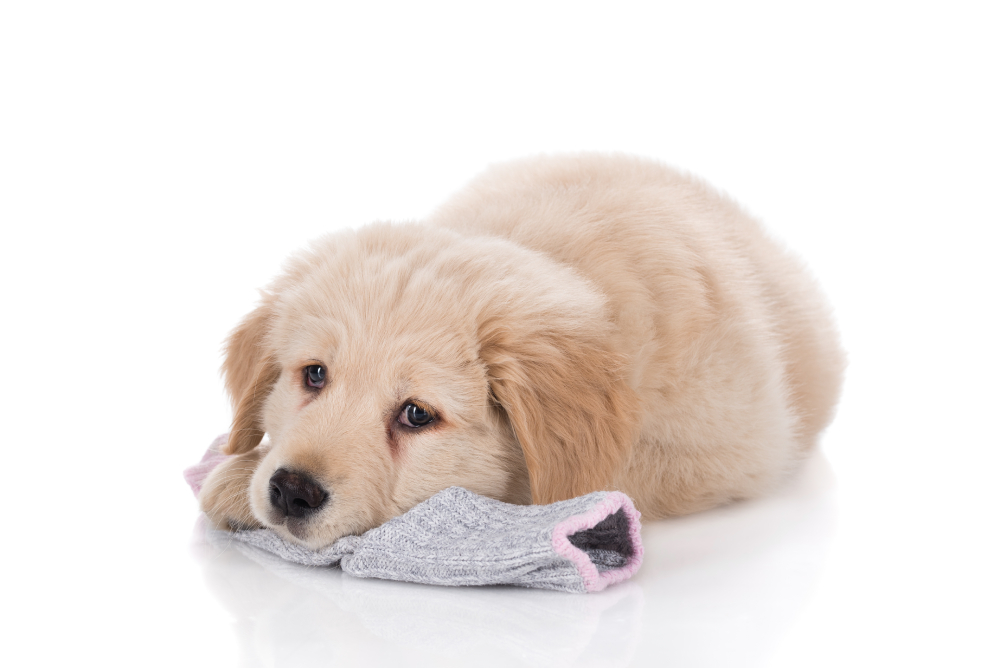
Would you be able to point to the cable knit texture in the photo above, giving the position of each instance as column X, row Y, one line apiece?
column 457, row 537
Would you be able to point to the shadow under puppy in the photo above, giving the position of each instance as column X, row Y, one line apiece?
column 562, row 325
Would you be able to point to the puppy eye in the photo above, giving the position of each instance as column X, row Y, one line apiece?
column 414, row 416
column 315, row 376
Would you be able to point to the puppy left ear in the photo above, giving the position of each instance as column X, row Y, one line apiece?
column 571, row 408
column 250, row 375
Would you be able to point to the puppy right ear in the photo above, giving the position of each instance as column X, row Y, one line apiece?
column 250, row 373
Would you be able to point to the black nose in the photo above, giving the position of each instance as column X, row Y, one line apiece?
column 295, row 494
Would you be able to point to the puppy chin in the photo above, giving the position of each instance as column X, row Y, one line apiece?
column 293, row 530
column 309, row 533
column 313, row 532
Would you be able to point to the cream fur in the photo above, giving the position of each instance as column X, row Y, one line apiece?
column 575, row 323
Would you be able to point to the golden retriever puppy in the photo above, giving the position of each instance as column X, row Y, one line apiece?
column 562, row 325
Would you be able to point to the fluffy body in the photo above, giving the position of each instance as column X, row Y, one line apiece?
column 573, row 323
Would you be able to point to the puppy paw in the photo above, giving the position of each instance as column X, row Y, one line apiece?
column 225, row 497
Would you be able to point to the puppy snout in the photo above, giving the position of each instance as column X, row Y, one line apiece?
column 295, row 494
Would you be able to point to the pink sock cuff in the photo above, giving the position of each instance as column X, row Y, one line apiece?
column 593, row 579
column 195, row 475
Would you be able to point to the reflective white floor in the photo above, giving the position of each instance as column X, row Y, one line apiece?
column 720, row 588
column 159, row 161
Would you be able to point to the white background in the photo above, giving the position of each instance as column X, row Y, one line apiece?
column 159, row 160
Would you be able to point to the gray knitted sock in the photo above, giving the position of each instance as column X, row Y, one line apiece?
column 457, row 537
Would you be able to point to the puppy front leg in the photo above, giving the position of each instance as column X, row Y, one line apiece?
column 225, row 496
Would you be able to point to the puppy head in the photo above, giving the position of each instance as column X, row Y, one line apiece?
column 391, row 363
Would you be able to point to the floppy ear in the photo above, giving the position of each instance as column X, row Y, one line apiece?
column 250, row 374
column 572, row 411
